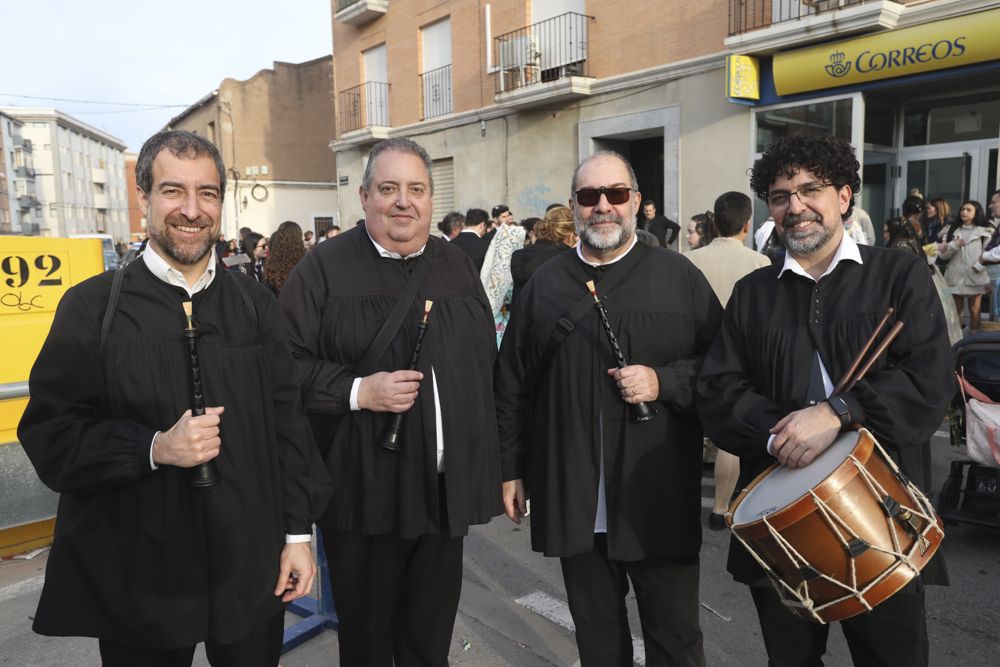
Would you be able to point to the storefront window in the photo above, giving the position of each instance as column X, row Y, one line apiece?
column 959, row 120
column 880, row 123
column 833, row 117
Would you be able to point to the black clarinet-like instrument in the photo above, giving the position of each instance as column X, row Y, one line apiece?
column 207, row 473
column 638, row 412
column 394, row 433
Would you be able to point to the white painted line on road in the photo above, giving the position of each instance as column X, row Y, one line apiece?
column 942, row 434
column 21, row 588
column 707, row 503
column 557, row 611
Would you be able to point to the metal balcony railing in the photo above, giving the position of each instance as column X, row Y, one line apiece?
column 546, row 51
column 747, row 15
column 363, row 106
column 344, row 4
column 436, row 87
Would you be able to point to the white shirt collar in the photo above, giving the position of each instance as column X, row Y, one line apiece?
column 579, row 253
column 388, row 254
column 847, row 251
column 168, row 274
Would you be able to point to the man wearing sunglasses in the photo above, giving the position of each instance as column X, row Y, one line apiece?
column 617, row 501
column 789, row 332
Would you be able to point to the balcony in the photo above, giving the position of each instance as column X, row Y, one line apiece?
column 543, row 62
column 436, row 87
column 25, row 202
column 360, row 12
column 99, row 175
column 24, row 172
column 766, row 26
column 363, row 111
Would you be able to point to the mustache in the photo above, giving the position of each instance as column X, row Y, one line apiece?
column 184, row 222
column 793, row 219
column 597, row 218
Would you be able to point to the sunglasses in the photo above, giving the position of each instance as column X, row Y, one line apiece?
column 590, row 196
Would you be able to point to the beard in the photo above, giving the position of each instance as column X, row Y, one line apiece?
column 605, row 239
column 187, row 252
column 807, row 241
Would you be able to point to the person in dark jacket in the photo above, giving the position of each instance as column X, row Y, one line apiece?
column 553, row 234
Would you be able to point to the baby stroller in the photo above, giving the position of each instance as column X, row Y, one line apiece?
column 971, row 494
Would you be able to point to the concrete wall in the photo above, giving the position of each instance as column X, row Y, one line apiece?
column 297, row 202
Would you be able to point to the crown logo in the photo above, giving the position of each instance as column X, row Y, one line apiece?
column 838, row 67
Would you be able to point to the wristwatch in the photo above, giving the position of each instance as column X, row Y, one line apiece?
column 840, row 408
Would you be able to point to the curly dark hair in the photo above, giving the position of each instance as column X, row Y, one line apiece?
column 287, row 248
column 828, row 158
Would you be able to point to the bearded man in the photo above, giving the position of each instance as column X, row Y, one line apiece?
column 616, row 501
column 142, row 560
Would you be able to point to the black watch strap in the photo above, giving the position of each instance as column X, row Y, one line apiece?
column 841, row 409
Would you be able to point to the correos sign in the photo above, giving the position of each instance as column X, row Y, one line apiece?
column 925, row 48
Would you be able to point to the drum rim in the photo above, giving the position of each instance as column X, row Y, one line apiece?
column 802, row 506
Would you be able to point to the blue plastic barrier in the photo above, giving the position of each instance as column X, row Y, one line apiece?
column 317, row 614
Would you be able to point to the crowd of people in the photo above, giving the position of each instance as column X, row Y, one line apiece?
column 482, row 351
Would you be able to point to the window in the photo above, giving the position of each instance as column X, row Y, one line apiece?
column 958, row 120
column 321, row 223
column 832, row 117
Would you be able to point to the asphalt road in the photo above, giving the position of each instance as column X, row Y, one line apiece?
column 513, row 609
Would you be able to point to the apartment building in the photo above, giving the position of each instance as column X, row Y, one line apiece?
column 508, row 95
column 79, row 175
column 19, row 207
column 915, row 87
column 136, row 220
column 273, row 132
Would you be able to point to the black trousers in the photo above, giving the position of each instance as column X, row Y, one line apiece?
column 396, row 599
column 892, row 634
column 261, row 649
column 667, row 594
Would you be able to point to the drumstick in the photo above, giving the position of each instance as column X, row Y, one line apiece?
column 891, row 336
column 840, row 389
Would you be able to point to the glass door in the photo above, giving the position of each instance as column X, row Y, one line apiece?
column 955, row 173
column 878, row 189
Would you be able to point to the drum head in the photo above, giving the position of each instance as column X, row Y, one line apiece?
column 786, row 485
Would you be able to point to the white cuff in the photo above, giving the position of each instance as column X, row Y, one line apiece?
column 355, row 386
column 151, row 464
column 296, row 539
column 769, row 441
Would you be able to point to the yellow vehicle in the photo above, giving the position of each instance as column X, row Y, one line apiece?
column 35, row 272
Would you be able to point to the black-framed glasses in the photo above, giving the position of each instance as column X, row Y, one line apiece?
column 779, row 200
column 590, row 196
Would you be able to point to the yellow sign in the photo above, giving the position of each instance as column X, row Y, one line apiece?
column 742, row 77
column 35, row 272
column 924, row 48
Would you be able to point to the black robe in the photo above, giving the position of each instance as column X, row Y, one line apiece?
column 758, row 369
column 548, row 407
column 524, row 262
column 140, row 557
column 335, row 302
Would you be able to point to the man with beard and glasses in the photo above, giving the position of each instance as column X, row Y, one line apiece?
column 617, row 501
column 142, row 560
column 792, row 330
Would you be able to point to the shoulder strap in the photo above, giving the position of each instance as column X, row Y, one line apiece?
column 395, row 318
column 564, row 327
column 112, row 307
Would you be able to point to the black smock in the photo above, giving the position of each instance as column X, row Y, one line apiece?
column 758, row 369
column 551, row 409
column 140, row 557
column 335, row 301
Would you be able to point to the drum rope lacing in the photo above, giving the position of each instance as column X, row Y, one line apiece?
column 838, row 526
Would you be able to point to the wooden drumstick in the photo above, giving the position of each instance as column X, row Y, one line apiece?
column 844, row 381
column 893, row 333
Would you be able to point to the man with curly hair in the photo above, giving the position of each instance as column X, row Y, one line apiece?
column 765, row 386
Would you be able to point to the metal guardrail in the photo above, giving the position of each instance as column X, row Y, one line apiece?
column 362, row 106
column 436, row 86
column 13, row 390
column 747, row 15
column 545, row 51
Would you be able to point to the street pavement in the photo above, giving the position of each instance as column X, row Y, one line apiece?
column 513, row 609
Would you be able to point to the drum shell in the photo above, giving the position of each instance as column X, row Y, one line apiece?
column 847, row 495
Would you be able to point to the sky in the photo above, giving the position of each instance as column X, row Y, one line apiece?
column 138, row 52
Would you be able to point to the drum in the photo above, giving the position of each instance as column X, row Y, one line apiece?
column 840, row 535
